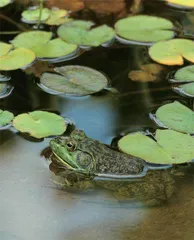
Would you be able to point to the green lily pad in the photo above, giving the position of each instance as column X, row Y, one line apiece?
column 78, row 32
column 177, row 117
column 5, row 117
column 4, row 3
column 144, row 147
column 182, row 3
column 32, row 15
column 187, row 89
column 172, row 52
column 145, row 28
column 185, row 74
column 57, row 17
column 16, row 59
column 40, row 124
column 179, row 145
column 74, row 80
column 53, row 49
column 31, row 39
column 4, row 48
column 2, row 88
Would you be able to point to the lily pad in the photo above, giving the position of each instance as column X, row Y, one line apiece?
column 5, row 90
column 4, row 3
column 32, row 15
column 74, row 80
column 144, row 28
column 179, row 145
column 185, row 74
column 185, row 89
column 40, row 124
column 53, row 49
column 144, row 147
column 5, row 117
column 181, row 3
column 57, row 17
column 176, row 116
column 17, row 58
column 31, row 39
column 78, row 32
column 4, row 48
column 172, row 52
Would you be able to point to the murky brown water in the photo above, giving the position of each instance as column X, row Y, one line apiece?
column 33, row 207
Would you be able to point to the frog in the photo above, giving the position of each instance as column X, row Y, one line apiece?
column 77, row 158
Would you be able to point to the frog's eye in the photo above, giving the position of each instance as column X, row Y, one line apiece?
column 70, row 146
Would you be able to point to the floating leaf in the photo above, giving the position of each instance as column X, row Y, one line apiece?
column 185, row 74
column 74, row 80
column 32, row 15
column 144, row 28
column 4, row 48
column 53, row 49
column 179, row 145
column 186, row 89
column 40, row 124
column 144, row 147
column 57, row 17
column 17, row 58
column 181, row 3
column 172, row 52
column 78, row 32
column 176, row 116
column 5, row 117
column 5, row 90
column 3, row 3
column 31, row 39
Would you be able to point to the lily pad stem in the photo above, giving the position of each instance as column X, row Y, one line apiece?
column 40, row 13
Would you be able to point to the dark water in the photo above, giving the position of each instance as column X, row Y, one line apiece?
column 32, row 206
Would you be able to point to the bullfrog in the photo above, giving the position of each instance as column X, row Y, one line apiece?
column 77, row 158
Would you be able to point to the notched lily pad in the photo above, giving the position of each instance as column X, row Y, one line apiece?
column 4, row 3
column 79, row 32
column 144, row 29
column 186, row 90
column 5, row 119
column 4, row 48
column 32, row 15
column 18, row 58
column 144, row 147
column 5, row 90
column 40, row 124
column 179, row 145
column 172, row 52
column 185, row 74
column 57, row 17
column 175, row 116
column 74, row 80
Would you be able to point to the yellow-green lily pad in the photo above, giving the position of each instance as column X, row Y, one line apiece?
column 4, row 48
column 31, row 39
column 144, row 147
column 57, row 17
column 32, row 15
column 4, row 3
column 40, row 124
column 18, row 58
column 78, row 32
column 185, row 74
column 172, row 52
column 179, row 145
column 53, row 49
column 182, row 3
column 5, row 117
column 144, row 28
column 176, row 116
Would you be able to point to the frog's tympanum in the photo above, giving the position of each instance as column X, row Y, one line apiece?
column 77, row 158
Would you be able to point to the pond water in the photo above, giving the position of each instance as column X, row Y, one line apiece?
column 33, row 206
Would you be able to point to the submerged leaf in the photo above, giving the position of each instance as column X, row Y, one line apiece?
column 145, row 28
column 176, row 116
column 74, row 80
column 5, row 117
column 4, row 48
column 179, row 145
column 172, row 52
column 78, row 32
column 144, row 147
column 17, row 58
column 32, row 15
column 185, row 74
column 40, row 124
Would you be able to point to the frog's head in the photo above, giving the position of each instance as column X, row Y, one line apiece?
column 70, row 154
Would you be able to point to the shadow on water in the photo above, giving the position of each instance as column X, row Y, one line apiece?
column 31, row 204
